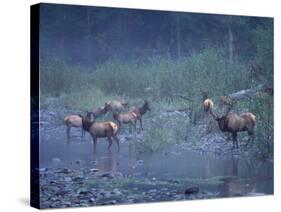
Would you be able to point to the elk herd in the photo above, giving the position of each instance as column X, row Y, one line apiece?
column 107, row 129
column 229, row 122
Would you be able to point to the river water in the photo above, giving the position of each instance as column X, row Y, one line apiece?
column 239, row 174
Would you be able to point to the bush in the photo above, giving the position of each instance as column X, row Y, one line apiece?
column 262, row 107
column 157, row 79
column 86, row 98
column 164, row 131
column 57, row 78
column 162, row 77
column 263, row 37
column 155, row 139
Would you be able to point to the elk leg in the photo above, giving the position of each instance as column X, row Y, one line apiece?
column 131, row 127
column 117, row 141
column 235, row 142
column 95, row 142
column 141, row 123
column 135, row 125
column 251, row 137
column 109, row 142
column 68, row 132
column 83, row 132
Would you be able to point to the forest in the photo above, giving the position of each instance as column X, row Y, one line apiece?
column 90, row 56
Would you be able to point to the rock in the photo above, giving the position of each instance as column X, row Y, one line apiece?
column 112, row 202
column 56, row 160
column 152, row 191
column 78, row 162
column 107, row 175
column 116, row 191
column 130, row 201
column 140, row 162
column 94, row 162
column 67, row 179
column 94, row 170
column 238, row 195
column 85, row 193
column 92, row 200
column 78, row 179
column 191, row 190
column 107, row 194
column 119, row 174
column 173, row 181
column 178, row 197
column 43, row 170
column 255, row 194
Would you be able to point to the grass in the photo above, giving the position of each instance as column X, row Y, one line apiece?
column 158, row 79
column 87, row 98
column 163, row 132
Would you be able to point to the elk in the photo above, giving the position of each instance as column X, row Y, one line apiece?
column 234, row 123
column 73, row 121
column 208, row 105
column 99, row 111
column 140, row 111
column 76, row 121
column 126, row 118
column 97, row 130
column 115, row 106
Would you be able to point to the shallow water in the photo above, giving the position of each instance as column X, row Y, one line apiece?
column 239, row 174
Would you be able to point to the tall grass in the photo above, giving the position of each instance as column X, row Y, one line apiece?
column 162, row 77
column 157, row 79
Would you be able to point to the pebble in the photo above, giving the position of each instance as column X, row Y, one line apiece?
column 191, row 190
column 107, row 175
column 94, row 170
column 56, row 160
column 152, row 191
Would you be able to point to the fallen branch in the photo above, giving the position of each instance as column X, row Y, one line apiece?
column 251, row 93
column 243, row 94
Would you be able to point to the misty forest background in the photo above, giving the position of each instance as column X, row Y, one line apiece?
column 90, row 55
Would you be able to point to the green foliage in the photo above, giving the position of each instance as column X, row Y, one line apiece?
column 264, row 46
column 158, row 79
column 75, row 87
column 57, row 78
column 156, row 139
column 262, row 107
column 164, row 131
column 163, row 77
column 86, row 98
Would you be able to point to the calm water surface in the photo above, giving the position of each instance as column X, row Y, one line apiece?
column 243, row 174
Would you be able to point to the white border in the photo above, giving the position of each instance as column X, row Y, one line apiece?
column 14, row 87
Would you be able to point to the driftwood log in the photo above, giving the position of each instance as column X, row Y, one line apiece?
column 251, row 93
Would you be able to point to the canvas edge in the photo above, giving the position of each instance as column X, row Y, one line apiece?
column 34, row 106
